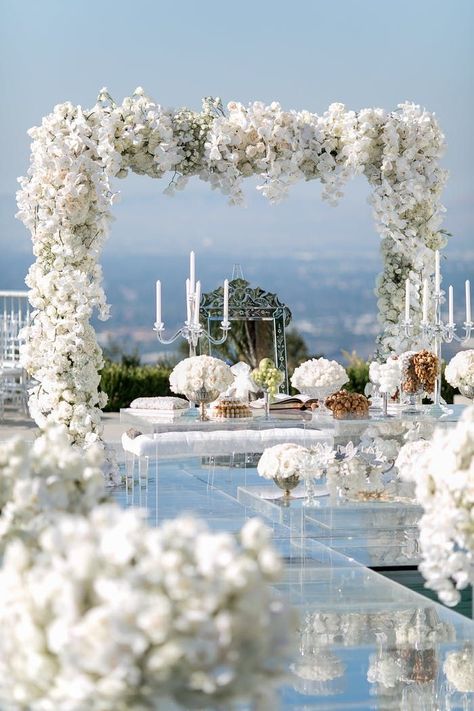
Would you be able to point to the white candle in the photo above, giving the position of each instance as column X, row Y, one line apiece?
column 188, row 302
column 450, row 307
column 468, row 301
column 192, row 272
column 437, row 272
column 197, row 299
column 158, row 303
column 425, row 300
column 226, row 302
column 407, row 300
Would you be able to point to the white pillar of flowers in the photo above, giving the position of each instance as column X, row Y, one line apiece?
column 65, row 201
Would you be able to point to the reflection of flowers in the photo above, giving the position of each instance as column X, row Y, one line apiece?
column 316, row 665
column 406, row 660
column 459, row 669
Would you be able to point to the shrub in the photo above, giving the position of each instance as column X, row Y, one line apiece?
column 123, row 383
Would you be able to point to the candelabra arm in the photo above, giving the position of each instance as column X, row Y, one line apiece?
column 166, row 341
column 219, row 341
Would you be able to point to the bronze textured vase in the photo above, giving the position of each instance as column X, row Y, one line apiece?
column 287, row 483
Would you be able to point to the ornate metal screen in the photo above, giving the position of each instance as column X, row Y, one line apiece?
column 259, row 322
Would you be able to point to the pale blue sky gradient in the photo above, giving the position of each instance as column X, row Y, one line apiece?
column 304, row 54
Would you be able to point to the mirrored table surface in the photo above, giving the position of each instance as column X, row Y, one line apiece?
column 364, row 641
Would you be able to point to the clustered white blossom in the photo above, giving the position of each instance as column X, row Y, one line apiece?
column 40, row 479
column 443, row 472
column 386, row 375
column 284, row 461
column 200, row 372
column 65, row 201
column 327, row 375
column 109, row 613
column 460, row 370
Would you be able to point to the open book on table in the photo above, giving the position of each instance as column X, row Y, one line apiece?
column 295, row 402
column 287, row 402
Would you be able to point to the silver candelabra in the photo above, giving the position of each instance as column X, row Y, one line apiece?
column 434, row 333
column 192, row 330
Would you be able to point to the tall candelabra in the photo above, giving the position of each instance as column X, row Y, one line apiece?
column 434, row 332
column 192, row 330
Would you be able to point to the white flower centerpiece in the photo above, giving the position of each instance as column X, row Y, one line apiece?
column 443, row 473
column 201, row 379
column 460, row 372
column 285, row 464
column 38, row 480
column 118, row 615
column 319, row 377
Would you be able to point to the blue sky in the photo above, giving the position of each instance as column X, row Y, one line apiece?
column 304, row 54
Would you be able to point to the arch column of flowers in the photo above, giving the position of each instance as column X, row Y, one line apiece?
column 66, row 199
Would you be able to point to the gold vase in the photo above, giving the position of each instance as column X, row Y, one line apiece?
column 287, row 484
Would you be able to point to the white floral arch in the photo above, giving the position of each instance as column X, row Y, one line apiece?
column 65, row 201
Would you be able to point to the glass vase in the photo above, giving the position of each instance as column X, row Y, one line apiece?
column 202, row 397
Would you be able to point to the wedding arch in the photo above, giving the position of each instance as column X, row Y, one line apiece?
column 66, row 198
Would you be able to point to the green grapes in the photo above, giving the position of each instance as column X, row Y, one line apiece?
column 268, row 376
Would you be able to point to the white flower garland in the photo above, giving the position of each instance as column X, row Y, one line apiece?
column 109, row 613
column 65, row 201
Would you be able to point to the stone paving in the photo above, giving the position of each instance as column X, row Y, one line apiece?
column 16, row 423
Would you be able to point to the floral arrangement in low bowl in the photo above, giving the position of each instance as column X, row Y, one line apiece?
column 286, row 464
column 118, row 615
column 443, row 473
column 201, row 379
column 460, row 372
column 319, row 377
column 38, row 480
column 200, row 373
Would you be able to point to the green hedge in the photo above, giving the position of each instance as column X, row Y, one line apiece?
column 124, row 383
